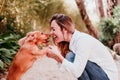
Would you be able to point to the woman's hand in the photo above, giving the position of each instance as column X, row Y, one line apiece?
column 54, row 49
column 54, row 52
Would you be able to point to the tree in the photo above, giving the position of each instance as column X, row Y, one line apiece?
column 3, row 2
column 91, row 29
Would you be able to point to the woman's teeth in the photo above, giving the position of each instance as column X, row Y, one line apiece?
column 54, row 36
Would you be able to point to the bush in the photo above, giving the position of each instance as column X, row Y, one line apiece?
column 110, row 27
column 8, row 48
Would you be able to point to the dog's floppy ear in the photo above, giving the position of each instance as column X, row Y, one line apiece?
column 30, row 36
column 37, row 37
column 21, row 41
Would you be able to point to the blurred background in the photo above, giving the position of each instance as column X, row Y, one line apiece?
column 99, row 18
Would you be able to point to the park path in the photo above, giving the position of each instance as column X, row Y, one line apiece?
column 48, row 69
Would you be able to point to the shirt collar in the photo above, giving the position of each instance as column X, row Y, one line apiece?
column 73, row 38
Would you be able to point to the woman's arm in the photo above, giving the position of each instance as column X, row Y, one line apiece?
column 78, row 66
column 53, row 52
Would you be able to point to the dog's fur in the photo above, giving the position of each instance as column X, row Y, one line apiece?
column 27, row 54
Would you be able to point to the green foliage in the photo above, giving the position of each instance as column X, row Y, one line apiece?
column 110, row 26
column 8, row 41
column 108, row 29
column 6, row 25
column 8, row 48
column 116, row 17
column 1, row 64
column 31, row 14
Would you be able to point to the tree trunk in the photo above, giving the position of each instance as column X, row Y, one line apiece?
column 91, row 29
column 3, row 2
column 100, row 7
column 118, row 1
column 111, row 5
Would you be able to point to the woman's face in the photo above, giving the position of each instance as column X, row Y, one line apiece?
column 56, row 32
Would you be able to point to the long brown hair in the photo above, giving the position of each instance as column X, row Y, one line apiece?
column 64, row 22
column 64, row 47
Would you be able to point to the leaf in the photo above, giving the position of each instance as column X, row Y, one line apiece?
column 1, row 64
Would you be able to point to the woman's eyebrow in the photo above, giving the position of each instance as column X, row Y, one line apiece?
column 51, row 27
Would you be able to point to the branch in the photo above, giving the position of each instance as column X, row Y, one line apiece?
column 3, row 2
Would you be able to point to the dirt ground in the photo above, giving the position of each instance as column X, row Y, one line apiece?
column 48, row 69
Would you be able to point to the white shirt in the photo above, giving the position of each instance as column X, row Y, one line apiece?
column 88, row 48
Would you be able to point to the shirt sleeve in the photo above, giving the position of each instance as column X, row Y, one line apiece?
column 78, row 66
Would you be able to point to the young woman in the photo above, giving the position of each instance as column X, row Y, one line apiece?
column 90, row 58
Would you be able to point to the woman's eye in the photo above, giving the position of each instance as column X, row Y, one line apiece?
column 53, row 29
column 32, row 35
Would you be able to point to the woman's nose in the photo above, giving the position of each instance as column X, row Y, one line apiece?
column 51, row 32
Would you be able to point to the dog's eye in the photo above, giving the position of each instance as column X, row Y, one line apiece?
column 42, row 33
column 32, row 35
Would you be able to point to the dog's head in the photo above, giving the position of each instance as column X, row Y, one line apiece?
column 40, row 38
column 36, row 37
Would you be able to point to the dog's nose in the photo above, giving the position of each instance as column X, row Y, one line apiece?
column 41, row 32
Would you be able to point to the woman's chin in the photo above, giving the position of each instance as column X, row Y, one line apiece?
column 56, row 41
